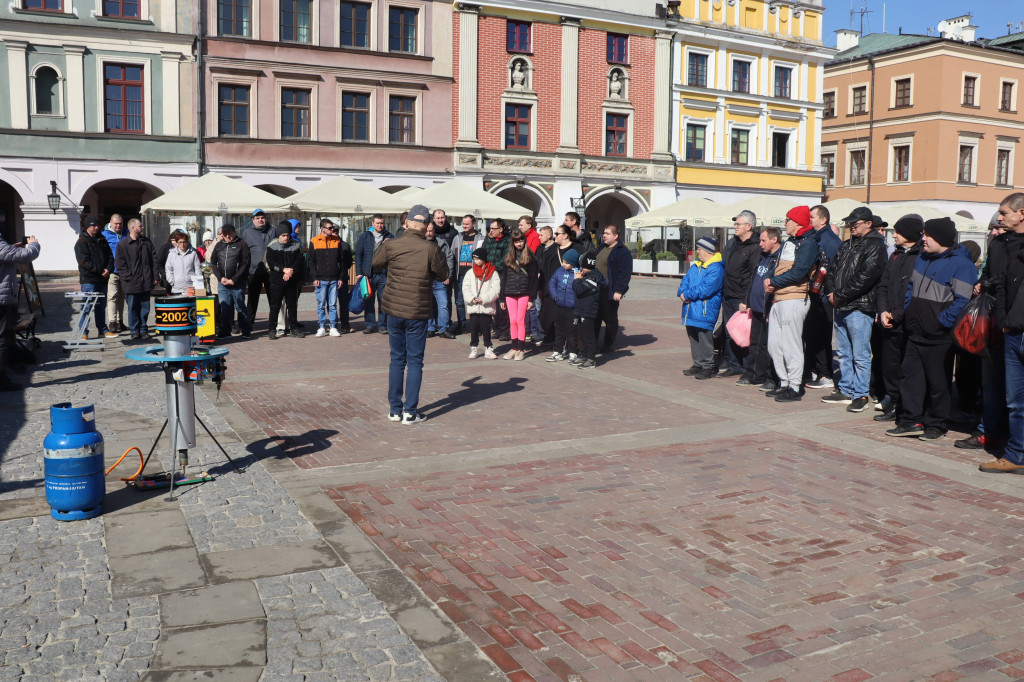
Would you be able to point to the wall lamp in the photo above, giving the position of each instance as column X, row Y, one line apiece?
column 53, row 198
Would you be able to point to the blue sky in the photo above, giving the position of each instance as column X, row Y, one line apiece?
column 916, row 16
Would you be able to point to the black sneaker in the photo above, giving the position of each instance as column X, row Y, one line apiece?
column 706, row 373
column 577, row 361
column 382, row 330
column 775, row 392
column 858, row 404
column 370, row 330
column 344, row 330
column 788, row 395
column 837, row 397
column 272, row 335
column 907, row 430
column 975, row 442
column 729, row 372
column 691, row 370
column 768, row 385
column 932, row 433
column 587, row 364
column 745, row 381
column 446, row 335
column 886, row 416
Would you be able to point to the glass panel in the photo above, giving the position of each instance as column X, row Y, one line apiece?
column 133, row 73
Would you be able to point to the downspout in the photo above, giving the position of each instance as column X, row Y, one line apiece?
column 200, row 89
column 871, row 128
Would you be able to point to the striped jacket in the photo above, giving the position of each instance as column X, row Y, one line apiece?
column 940, row 287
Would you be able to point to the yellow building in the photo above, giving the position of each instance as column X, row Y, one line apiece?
column 746, row 100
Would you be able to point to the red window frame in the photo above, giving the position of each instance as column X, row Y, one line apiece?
column 122, row 9
column 517, row 120
column 616, row 131
column 41, row 5
column 119, row 90
column 618, row 48
column 517, row 36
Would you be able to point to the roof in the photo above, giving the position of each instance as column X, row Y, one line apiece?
column 874, row 43
column 1011, row 40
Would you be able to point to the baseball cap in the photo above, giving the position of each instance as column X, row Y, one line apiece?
column 419, row 212
column 258, row 211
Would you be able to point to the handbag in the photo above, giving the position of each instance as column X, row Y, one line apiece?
column 974, row 330
column 738, row 327
column 356, row 300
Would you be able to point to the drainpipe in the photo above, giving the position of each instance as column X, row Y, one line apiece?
column 200, row 88
column 871, row 127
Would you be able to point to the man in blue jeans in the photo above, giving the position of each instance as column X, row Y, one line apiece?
column 413, row 264
column 230, row 261
column 95, row 263
column 366, row 248
column 137, row 265
column 438, row 323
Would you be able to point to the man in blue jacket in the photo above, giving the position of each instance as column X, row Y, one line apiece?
column 940, row 287
column 369, row 242
column 820, row 315
column 615, row 263
column 701, row 294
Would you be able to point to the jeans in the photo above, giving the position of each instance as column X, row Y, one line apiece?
column 408, row 341
column 99, row 310
column 230, row 300
column 138, row 312
column 439, row 322
column 1014, row 356
column 460, row 304
column 380, row 320
column 533, row 318
column 853, row 347
column 327, row 303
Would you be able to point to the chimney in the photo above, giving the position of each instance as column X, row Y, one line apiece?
column 847, row 39
column 957, row 28
column 967, row 34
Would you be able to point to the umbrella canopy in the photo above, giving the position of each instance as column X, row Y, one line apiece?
column 456, row 197
column 215, row 193
column 891, row 214
column 407, row 192
column 348, row 196
column 769, row 209
column 696, row 211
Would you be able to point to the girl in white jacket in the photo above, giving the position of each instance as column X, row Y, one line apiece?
column 480, row 290
column 182, row 264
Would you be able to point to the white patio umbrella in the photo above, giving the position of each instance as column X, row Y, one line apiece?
column 214, row 193
column 346, row 196
column 769, row 209
column 457, row 197
column 894, row 212
column 696, row 211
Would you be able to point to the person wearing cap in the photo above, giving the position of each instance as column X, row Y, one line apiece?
column 285, row 265
column 230, row 262
column 820, row 315
column 257, row 235
column 413, row 265
column 789, row 285
column 701, row 293
column 741, row 255
column 369, row 243
column 137, row 264
column 480, row 291
column 589, row 287
column 11, row 256
column 561, row 293
column 95, row 263
column 114, row 233
column 1006, row 263
column 940, row 286
column 329, row 261
column 889, row 298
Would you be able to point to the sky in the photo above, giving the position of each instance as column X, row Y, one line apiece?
column 916, row 16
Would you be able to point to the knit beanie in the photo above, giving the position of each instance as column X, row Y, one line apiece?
column 942, row 230
column 481, row 253
column 571, row 257
column 910, row 227
column 284, row 227
column 709, row 244
column 588, row 262
column 801, row 215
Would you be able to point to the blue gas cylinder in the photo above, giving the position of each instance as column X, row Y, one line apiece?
column 73, row 463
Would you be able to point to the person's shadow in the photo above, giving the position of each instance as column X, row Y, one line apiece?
column 473, row 392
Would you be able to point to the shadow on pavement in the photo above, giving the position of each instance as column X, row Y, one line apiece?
column 307, row 443
column 474, row 392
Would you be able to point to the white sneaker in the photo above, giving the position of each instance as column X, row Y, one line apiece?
column 321, row 332
column 412, row 418
column 394, row 417
column 473, row 352
column 555, row 357
column 572, row 356
column 489, row 353
column 334, row 332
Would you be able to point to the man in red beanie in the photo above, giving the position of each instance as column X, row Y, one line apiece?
column 789, row 283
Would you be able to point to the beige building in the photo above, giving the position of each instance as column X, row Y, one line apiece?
column 932, row 118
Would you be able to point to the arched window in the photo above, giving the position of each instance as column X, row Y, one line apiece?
column 47, row 91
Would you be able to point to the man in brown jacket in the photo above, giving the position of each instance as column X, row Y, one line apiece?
column 413, row 264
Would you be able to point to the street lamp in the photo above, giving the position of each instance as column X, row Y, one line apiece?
column 579, row 205
column 53, row 198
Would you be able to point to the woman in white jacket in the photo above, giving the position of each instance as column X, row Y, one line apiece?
column 480, row 290
column 183, row 265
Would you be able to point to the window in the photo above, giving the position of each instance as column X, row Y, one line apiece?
column 615, row 132
column 857, row 166
column 122, row 98
column 740, row 76
column 402, row 30
column 47, row 91
column 618, row 48
column 517, row 36
column 49, row 5
column 295, row 18
column 295, row 113
column 829, row 99
column 697, row 74
column 780, row 149
column 828, row 163
column 355, row 117
column 234, row 18
column 126, row 9
column 965, row 165
column 783, row 81
column 401, row 120
column 901, row 163
column 233, row 110
column 860, row 99
column 355, row 24
column 1006, row 96
column 1003, row 167
column 903, row 92
column 695, row 142
column 517, row 126
column 738, row 144
column 970, row 84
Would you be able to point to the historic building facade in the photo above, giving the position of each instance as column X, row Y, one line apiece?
column 99, row 103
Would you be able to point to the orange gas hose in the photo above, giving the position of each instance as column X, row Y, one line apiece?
column 142, row 463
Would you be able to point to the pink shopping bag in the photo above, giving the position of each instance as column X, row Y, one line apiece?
column 738, row 327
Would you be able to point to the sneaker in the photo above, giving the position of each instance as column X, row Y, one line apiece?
column 111, row 334
column 691, row 370
column 888, row 416
column 706, row 374
column 446, row 335
column 246, row 335
column 572, row 356
column 555, row 357
column 296, row 333
column 575, row 359
column 490, row 354
column 768, row 385
column 382, row 330
column 975, row 442
column 884, row 404
column 135, row 336
column 412, row 418
column 344, row 330
column 394, row 417
column 539, row 342
column 745, row 381
column 727, row 372
column 1001, row 466
column 321, row 333
column 509, row 355
column 333, row 332
column 272, row 335
column 775, row 391
column 587, row 364
column 821, row 382
column 932, row 433
column 235, row 331
column 838, row 398
column 858, row 404
column 907, row 430
column 370, row 330
column 520, row 355
column 474, row 352
column 85, row 335
column 788, row 395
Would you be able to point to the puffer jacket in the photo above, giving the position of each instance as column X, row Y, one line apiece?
column 365, row 251
column 413, row 265
column 329, row 258
column 1005, row 265
column 560, row 288
column 520, row 280
column 181, row 268
column 93, row 256
column 231, row 261
column 486, row 289
column 136, row 264
column 280, row 256
column 855, row 272
column 588, row 290
column 741, row 260
column 891, row 293
column 10, row 257
column 702, row 287
column 792, row 274
column 940, row 287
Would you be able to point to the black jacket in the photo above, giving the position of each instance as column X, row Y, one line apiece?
column 855, row 272
column 548, row 261
column 93, row 256
column 583, row 243
column 231, row 261
column 521, row 281
column 588, row 290
column 1006, row 266
column 741, row 261
column 892, row 288
column 329, row 258
column 280, row 256
column 136, row 264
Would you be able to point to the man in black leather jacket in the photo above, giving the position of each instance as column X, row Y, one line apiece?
column 850, row 288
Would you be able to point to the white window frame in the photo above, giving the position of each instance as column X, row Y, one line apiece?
column 850, row 150
column 973, row 142
column 147, row 86
column 296, row 84
column 867, row 99
column 213, row 130
column 892, row 89
column 830, row 151
column 61, row 86
column 977, row 88
column 752, row 62
column 709, row 76
column 894, row 142
column 794, row 80
column 374, row 93
column 622, row 109
column 790, row 145
column 835, row 104
column 1010, row 147
column 417, row 95
column 372, row 27
column 1013, row 99
column 421, row 37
